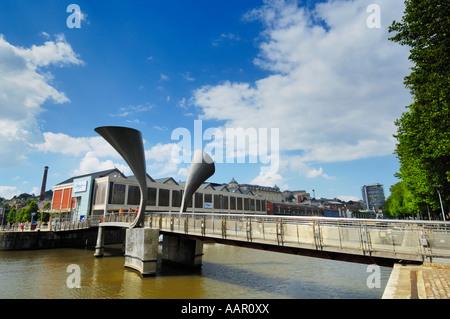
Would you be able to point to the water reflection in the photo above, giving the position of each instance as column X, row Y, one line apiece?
column 227, row 272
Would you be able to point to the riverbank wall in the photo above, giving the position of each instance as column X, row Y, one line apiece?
column 29, row 240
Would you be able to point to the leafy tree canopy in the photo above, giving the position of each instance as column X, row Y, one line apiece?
column 423, row 131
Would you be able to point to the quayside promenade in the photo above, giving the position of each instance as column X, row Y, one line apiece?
column 426, row 281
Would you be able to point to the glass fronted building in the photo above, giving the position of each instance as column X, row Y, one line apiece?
column 94, row 195
column 373, row 196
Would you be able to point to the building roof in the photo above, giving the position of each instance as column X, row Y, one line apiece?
column 134, row 177
column 258, row 187
column 166, row 180
column 221, row 187
column 93, row 175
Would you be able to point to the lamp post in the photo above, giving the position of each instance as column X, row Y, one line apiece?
column 440, row 200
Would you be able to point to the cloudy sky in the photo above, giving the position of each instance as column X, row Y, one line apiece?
column 314, row 86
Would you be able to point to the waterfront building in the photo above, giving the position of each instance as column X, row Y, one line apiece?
column 96, row 194
column 295, row 196
column 373, row 196
column 294, row 209
column 266, row 192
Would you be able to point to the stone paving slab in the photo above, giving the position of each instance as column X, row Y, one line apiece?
column 426, row 281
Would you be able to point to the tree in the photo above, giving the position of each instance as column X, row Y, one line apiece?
column 24, row 214
column 399, row 203
column 45, row 216
column 12, row 216
column 423, row 131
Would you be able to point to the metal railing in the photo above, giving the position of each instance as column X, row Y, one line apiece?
column 118, row 218
column 412, row 240
column 67, row 225
column 54, row 226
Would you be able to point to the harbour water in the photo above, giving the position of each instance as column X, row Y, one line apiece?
column 228, row 272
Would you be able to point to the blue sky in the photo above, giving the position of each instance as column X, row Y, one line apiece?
column 314, row 71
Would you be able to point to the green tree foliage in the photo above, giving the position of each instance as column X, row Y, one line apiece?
column 24, row 214
column 12, row 215
column 400, row 203
column 423, row 131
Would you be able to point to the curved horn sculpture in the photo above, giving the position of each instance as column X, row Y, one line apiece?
column 128, row 143
column 202, row 167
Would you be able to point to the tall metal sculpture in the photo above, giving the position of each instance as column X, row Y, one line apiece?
column 202, row 167
column 128, row 143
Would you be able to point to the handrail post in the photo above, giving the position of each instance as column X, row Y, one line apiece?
column 224, row 227
column 249, row 229
column 317, row 235
column 203, row 226
column 186, row 224
column 280, row 232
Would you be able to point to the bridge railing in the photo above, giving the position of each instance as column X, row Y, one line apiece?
column 418, row 239
column 71, row 225
column 118, row 218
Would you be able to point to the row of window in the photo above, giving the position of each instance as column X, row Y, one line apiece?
column 117, row 194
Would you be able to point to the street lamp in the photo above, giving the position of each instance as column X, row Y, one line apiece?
column 440, row 199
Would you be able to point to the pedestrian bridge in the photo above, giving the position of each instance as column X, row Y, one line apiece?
column 384, row 242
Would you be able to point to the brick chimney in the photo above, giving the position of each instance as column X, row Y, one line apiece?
column 44, row 182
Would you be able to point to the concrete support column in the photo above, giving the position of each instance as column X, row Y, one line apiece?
column 181, row 251
column 141, row 250
column 100, row 242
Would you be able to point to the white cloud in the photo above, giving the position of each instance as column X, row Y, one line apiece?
column 98, row 155
column 270, row 180
column 91, row 148
column 76, row 146
column 24, row 87
column 225, row 36
column 348, row 198
column 296, row 164
column 313, row 173
column 187, row 76
column 336, row 85
column 160, row 161
column 132, row 110
column 91, row 163
column 9, row 192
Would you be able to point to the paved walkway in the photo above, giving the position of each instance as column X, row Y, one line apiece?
column 427, row 281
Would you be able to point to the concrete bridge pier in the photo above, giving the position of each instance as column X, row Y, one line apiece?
column 99, row 246
column 182, row 251
column 141, row 250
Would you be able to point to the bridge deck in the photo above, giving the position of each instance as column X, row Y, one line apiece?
column 361, row 240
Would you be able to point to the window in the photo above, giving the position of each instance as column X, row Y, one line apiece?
column 208, row 201
column 163, row 197
column 118, row 194
column 217, row 201
column 239, row 203
column 176, row 198
column 198, row 200
column 99, row 193
column 225, row 202
column 151, row 196
column 189, row 202
column 134, row 195
column 246, row 204
column 57, row 195
column 232, row 202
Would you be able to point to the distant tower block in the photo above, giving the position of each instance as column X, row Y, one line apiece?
column 44, row 182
